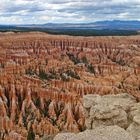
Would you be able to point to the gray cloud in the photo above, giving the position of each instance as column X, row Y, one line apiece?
column 42, row 11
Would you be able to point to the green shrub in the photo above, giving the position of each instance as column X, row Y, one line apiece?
column 74, row 59
column 73, row 74
column 29, row 71
column 91, row 68
column 31, row 135
column 84, row 60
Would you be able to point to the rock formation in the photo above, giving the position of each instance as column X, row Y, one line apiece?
column 44, row 77
column 108, row 117
column 108, row 110
column 121, row 110
column 100, row 133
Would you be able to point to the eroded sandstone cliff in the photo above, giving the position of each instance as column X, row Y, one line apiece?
column 108, row 117
column 43, row 79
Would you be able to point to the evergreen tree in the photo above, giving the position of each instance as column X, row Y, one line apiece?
column 31, row 135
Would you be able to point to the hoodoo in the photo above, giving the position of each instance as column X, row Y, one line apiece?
column 43, row 79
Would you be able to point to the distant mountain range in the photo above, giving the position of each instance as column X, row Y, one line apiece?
column 99, row 25
column 100, row 28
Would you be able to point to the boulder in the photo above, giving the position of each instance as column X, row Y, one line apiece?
column 108, row 110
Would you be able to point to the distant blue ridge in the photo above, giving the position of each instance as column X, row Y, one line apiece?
column 99, row 25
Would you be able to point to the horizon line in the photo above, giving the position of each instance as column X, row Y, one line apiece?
column 70, row 22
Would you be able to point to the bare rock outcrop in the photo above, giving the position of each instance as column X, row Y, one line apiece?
column 108, row 110
column 121, row 110
column 99, row 133
column 134, row 127
column 108, row 117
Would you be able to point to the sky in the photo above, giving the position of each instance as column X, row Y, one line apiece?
column 67, row 11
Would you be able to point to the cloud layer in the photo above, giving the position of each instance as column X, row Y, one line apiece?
column 72, row 11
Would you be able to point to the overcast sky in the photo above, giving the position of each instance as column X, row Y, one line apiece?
column 71, row 11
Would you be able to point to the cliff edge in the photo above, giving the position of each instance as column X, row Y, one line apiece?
column 109, row 117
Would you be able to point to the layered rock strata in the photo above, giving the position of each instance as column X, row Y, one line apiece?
column 43, row 79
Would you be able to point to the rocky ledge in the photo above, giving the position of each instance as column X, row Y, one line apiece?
column 108, row 117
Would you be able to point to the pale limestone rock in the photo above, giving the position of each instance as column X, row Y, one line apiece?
column 108, row 110
column 100, row 133
column 134, row 128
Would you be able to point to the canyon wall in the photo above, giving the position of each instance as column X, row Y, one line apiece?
column 43, row 79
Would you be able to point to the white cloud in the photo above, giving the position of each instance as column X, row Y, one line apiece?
column 42, row 11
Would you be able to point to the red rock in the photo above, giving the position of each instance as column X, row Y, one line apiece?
column 54, row 104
